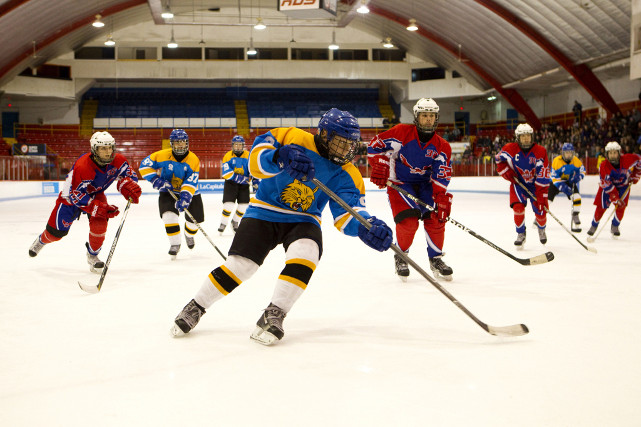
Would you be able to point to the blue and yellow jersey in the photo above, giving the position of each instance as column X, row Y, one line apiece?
column 563, row 171
column 233, row 164
column 280, row 198
column 183, row 175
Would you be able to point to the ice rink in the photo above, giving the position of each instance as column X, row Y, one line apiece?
column 361, row 348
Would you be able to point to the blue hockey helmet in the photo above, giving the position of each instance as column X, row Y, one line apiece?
column 567, row 151
column 340, row 136
column 238, row 145
column 176, row 138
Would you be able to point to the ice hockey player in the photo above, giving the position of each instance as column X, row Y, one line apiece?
column 566, row 173
column 415, row 158
column 84, row 193
column 526, row 161
column 237, row 179
column 176, row 170
column 617, row 173
column 287, row 210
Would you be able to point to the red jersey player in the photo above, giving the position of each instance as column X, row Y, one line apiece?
column 84, row 193
column 527, row 162
column 616, row 173
column 415, row 158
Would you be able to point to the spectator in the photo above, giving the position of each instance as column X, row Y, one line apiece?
column 577, row 110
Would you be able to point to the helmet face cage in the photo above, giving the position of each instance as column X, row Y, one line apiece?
column 102, row 139
column 567, row 151
column 341, row 136
column 238, row 145
column 426, row 105
column 524, row 129
column 177, row 136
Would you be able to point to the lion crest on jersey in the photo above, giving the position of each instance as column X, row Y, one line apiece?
column 298, row 196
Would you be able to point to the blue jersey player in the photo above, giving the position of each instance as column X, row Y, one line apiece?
column 287, row 210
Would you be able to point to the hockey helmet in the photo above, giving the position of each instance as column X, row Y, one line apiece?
column 340, row 136
column 179, row 141
column 524, row 136
column 567, row 151
column 426, row 105
column 238, row 145
column 102, row 139
column 613, row 151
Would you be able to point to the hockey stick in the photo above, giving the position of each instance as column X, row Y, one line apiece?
column 539, row 259
column 199, row 227
column 500, row 331
column 591, row 239
column 96, row 289
column 587, row 248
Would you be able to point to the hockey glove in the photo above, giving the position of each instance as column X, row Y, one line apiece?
column 292, row 159
column 564, row 188
column 443, row 203
column 380, row 171
column 240, row 179
column 255, row 183
column 575, row 178
column 378, row 237
column 101, row 210
column 615, row 199
column 541, row 199
column 130, row 189
column 183, row 202
column 504, row 170
column 160, row 183
column 634, row 177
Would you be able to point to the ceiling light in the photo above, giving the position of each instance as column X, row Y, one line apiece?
column 333, row 45
column 98, row 23
column 259, row 24
column 388, row 43
column 412, row 26
column 251, row 50
column 166, row 12
column 363, row 7
column 172, row 43
column 110, row 41
column 491, row 98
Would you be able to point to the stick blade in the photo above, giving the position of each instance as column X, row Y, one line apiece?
column 508, row 331
column 591, row 239
column 541, row 259
column 89, row 289
column 591, row 249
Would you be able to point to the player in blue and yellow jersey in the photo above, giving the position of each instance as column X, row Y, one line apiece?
column 176, row 169
column 566, row 173
column 236, row 175
column 287, row 210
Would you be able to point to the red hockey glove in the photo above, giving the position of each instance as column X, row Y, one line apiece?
column 504, row 170
column 443, row 203
column 130, row 189
column 634, row 177
column 615, row 199
column 541, row 199
column 101, row 210
column 380, row 171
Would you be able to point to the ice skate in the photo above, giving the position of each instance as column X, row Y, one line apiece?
column 234, row 225
column 440, row 269
column 173, row 251
column 402, row 270
column 269, row 328
column 576, row 223
column 190, row 241
column 542, row 237
column 520, row 240
column 592, row 230
column 35, row 247
column 187, row 319
column 614, row 229
column 95, row 265
column 221, row 228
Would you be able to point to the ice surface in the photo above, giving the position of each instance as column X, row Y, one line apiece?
column 360, row 348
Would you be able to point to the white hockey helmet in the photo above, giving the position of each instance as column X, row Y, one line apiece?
column 426, row 105
column 613, row 147
column 102, row 139
column 524, row 129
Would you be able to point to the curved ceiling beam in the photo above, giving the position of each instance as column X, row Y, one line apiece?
column 581, row 73
column 511, row 95
column 66, row 30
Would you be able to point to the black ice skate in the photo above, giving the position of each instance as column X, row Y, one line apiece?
column 440, row 269
column 187, row 319
column 402, row 270
column 269, row 328
column 35, row 247
column 95, row 265
column 173, row 251
column 575, row 225
column 234, row 225
column 520, row 240
column 190, row 241
column 542, row 237
column 221, row 228
column 614, row 229
column 592, row 230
